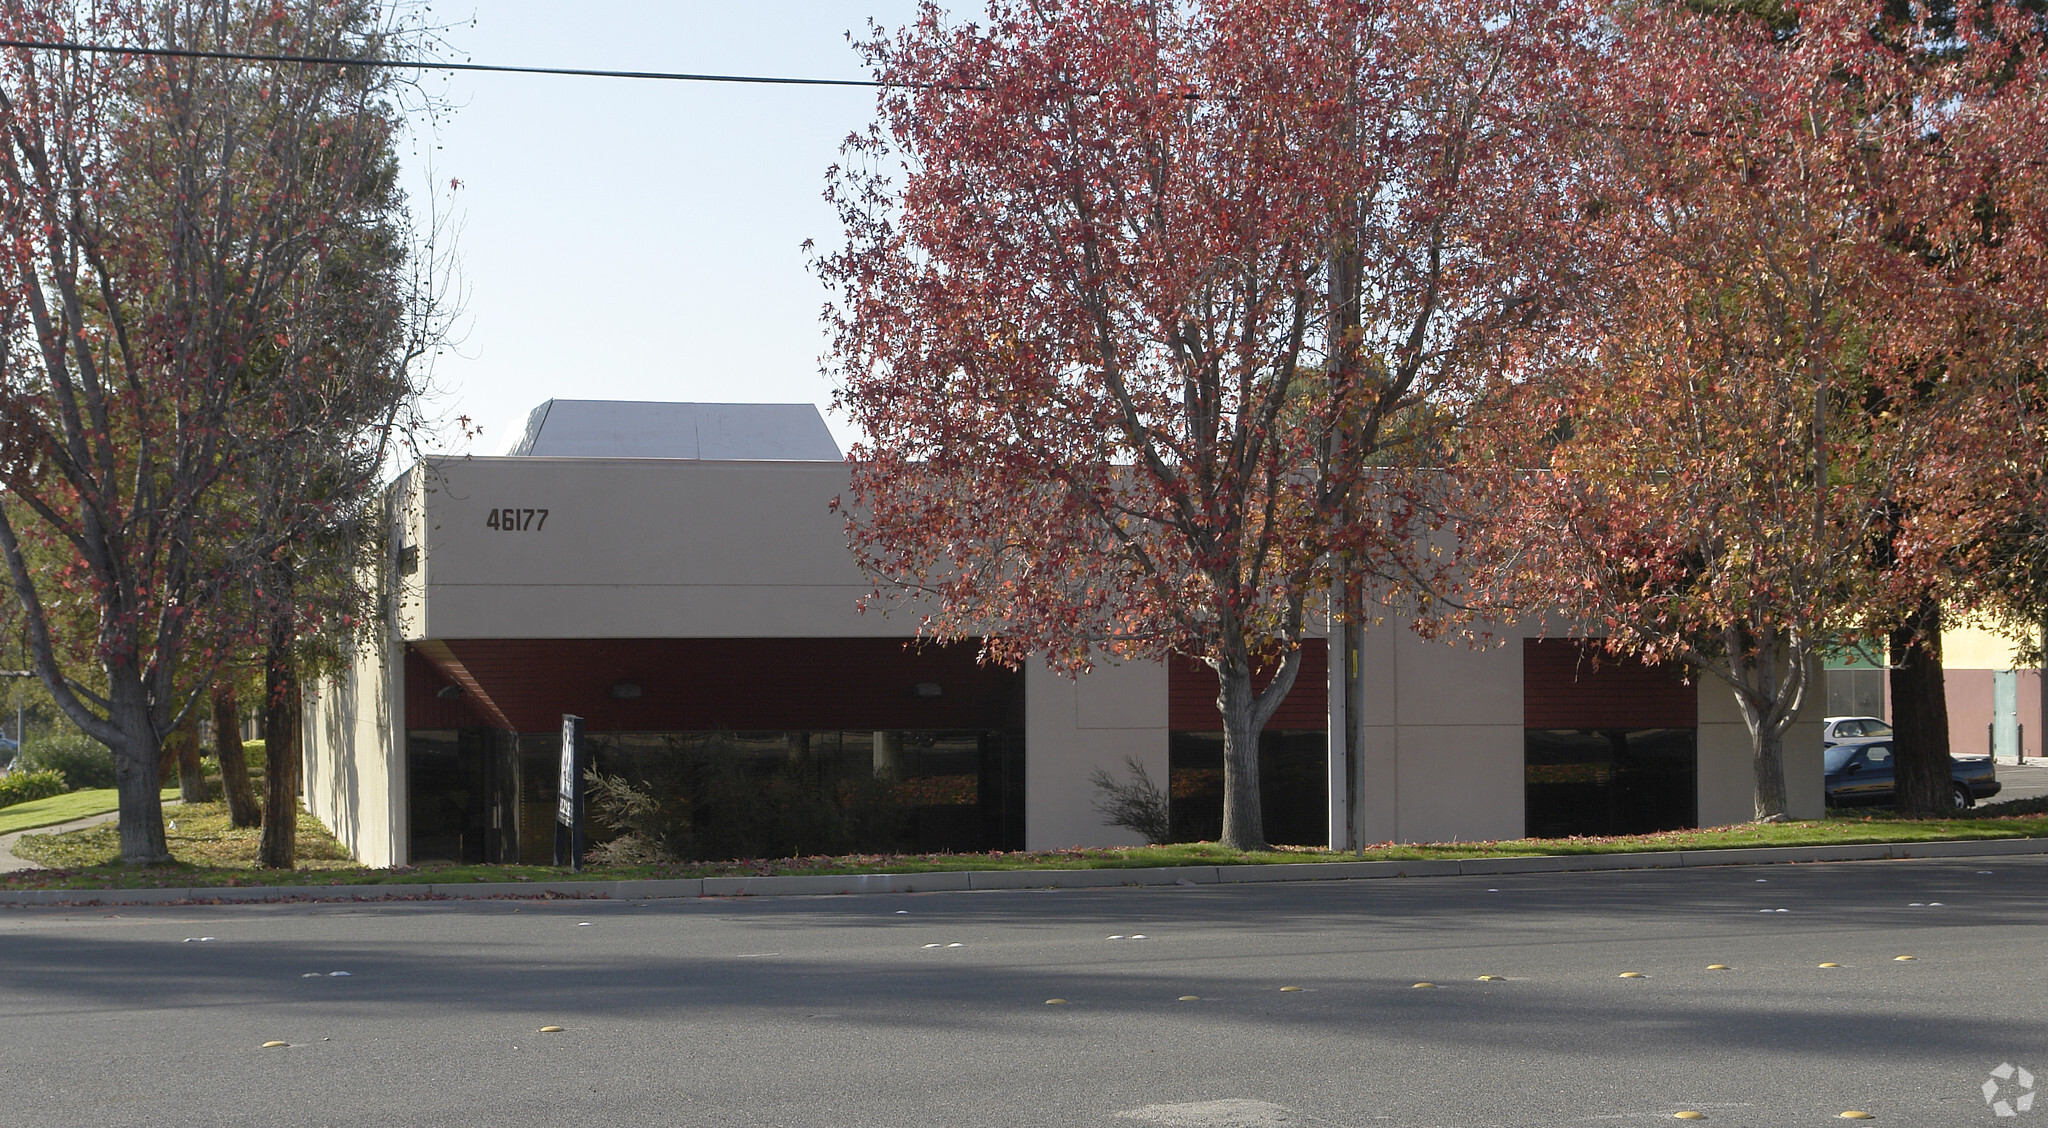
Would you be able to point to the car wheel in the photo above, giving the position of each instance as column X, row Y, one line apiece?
column 1960, row 798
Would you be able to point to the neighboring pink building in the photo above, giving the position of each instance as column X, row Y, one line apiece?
column 1994, row 707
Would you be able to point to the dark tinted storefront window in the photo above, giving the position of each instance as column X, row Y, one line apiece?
column 460, row 788
column 780, row 794
column 439, row 792
column 1293, row 786
column 1609, row 781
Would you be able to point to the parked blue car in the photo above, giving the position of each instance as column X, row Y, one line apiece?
column 1860, row 775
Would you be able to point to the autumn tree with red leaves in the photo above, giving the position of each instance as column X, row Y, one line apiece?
column 1786, row 341
column 2009, row 69
column 1116, row 397
column 189, row 244
column 1981, row 498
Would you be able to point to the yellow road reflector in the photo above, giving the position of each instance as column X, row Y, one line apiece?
column 1852, row 1114
column 1688, row 1114
column 1055, row 1002
column 551, row 1030
column 1190, row 998
column 1717, row 967
column 1901, row 959
column 274, row 1045
column 1630, row 975
column 1290, row 988
column 1830, row 965
column 1425, row 984
column 1491, row 978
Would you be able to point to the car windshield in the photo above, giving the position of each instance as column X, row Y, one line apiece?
column 1835, row 757
column 1876, row 728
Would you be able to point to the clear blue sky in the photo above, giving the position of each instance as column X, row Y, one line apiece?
column 642, row 240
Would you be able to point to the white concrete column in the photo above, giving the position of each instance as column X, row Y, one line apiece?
column 1339, row 789
column 887, row 747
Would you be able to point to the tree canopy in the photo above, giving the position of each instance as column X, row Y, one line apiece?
column 1798, row 353
column 206, row 304
column 1117, row 400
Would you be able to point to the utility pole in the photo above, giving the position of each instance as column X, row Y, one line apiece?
column 1347, row 282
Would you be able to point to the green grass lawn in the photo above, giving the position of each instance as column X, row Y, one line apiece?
column 212, row 853
column 63, row 808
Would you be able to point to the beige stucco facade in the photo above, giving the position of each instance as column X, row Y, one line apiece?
column 1077, row 726
column 355, row 755
column 354, row 721
column 638, row 548
column 1442, row 737
column 1726, row 778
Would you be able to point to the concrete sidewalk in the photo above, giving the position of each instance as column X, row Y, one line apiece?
column 10, row 863
column 968, row 880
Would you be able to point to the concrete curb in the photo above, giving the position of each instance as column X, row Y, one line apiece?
column 962, row 880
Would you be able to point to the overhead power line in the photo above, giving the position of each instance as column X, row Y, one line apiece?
column 409, row 64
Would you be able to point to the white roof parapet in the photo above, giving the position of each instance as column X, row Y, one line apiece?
column 718, row 432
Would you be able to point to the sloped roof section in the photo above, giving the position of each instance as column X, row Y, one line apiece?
column 718, row 432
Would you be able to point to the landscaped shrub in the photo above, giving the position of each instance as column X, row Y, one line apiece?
column 84, row 761
column 20, row 787
column 1135, row 804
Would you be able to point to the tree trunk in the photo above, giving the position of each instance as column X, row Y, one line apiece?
column 1245, row 714
column 136, row 778
column 243, row 810
column 279, row 849
column 1244, row 821
column 1920, row 751
column 1767, row 763
column 191, row 770
column 1769, row 676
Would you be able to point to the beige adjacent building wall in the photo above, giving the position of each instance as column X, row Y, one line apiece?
column 355, row 754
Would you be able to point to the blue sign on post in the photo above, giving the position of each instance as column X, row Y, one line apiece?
column 569, row 796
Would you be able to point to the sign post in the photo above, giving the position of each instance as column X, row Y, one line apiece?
column 569, row 796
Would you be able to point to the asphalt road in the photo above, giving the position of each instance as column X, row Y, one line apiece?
column 897, row 1011
column 2021, row 781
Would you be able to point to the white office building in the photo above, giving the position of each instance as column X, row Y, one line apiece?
column 675, row 575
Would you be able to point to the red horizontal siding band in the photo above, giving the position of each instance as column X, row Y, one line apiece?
column 1191, row 693
column 694, row 685
column 1573, row 684
column 425, row 708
